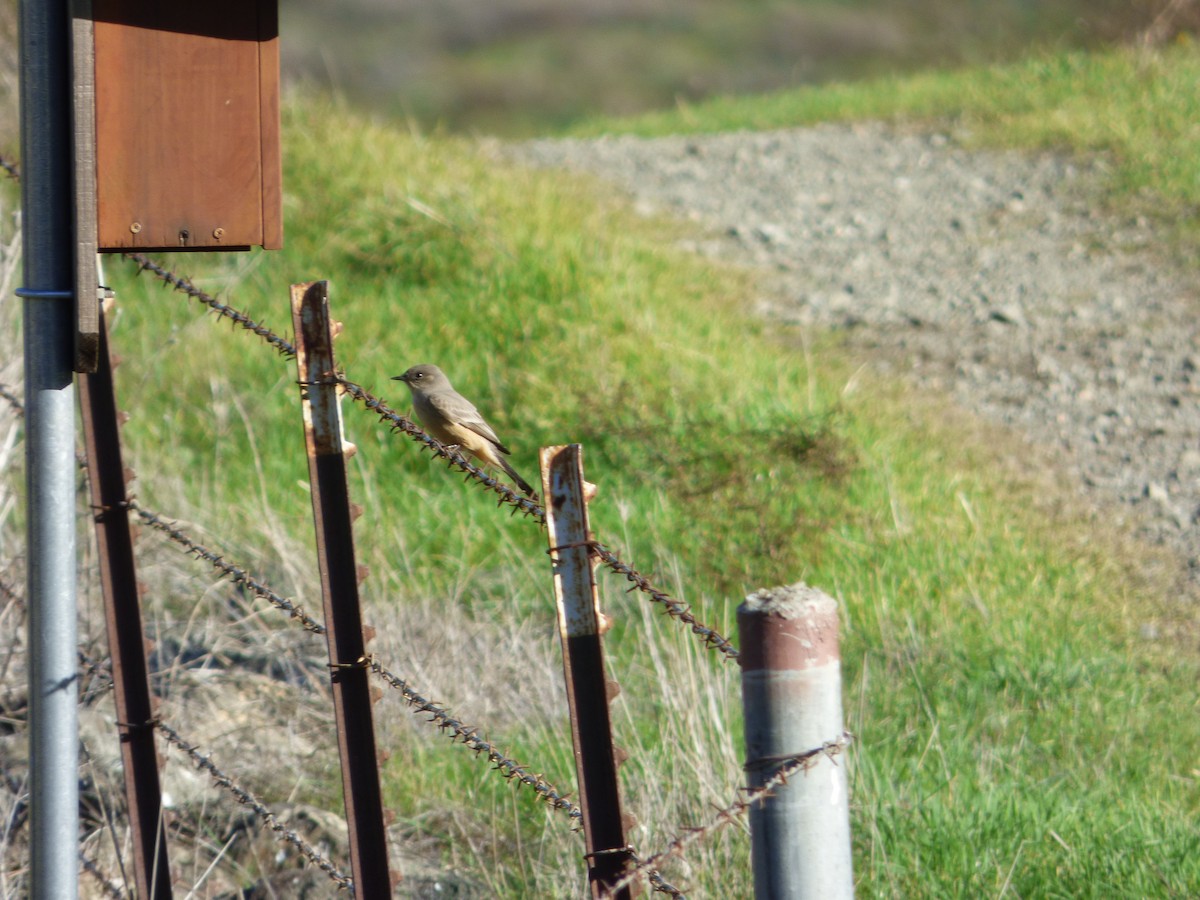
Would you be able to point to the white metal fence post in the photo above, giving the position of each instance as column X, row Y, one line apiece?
column 792, row 693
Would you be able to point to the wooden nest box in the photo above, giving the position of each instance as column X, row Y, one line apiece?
column 186, row 124
column 176, row 131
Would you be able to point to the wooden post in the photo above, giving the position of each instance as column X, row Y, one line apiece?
column 87, row 276
column 583, row 667
column 792, row 694
column 339, row 590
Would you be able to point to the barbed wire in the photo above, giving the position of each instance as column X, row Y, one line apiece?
column 791, row 766
column 467, row 735
column 470, row 737
column 11, row 168
column 236, row 574
column 247, row 799
column 675, row 608
column 185, row 286
column 510, row 768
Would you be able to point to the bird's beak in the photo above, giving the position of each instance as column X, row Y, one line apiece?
column 397, row 378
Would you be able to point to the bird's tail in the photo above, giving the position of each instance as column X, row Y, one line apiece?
column 521, row 483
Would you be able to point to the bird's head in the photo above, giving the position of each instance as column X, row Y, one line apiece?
column 423, row 377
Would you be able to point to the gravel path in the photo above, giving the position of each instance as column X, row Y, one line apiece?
column 989, row 275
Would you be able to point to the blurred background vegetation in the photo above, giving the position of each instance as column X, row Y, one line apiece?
column 516, row 68
column 519, row 67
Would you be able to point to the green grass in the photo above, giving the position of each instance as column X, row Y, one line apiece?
column 1014, row 731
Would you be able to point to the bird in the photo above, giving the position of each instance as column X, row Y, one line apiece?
column 453, row 419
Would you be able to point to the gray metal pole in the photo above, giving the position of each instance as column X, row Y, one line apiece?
column 792, row 693
column 46, row 204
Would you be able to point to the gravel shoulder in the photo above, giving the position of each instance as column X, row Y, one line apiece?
column 990, row 276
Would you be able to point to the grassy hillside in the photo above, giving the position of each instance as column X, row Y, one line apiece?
column 1015, row 733
column 1138, row 107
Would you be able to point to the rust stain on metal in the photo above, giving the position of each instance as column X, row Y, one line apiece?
column 567, row 522
column 314, row 357
column 788, row 628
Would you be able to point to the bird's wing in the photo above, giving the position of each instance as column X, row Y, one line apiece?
column 458, row 409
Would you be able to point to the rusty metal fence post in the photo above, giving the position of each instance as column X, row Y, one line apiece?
column 792, row 695
column 123, row 618
column 339, row 589
column 583, row 667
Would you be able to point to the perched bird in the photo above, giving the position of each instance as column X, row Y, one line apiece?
column 451, row 418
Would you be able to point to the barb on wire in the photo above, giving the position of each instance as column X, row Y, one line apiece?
column 675, row 608
column 95, row 677
column 472, row 740
column 660, row 884
column 248, row 800
column 8, row 594
column 110, row 888
column 13, row 400
column 11, row 168
column 793, row 765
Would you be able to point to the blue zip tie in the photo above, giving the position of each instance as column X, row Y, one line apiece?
column 35, row 294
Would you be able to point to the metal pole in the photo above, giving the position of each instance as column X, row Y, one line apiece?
column 339, row 588
column 46, row 203
column 123, row 617
column 583, row 668
column 792, row 694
